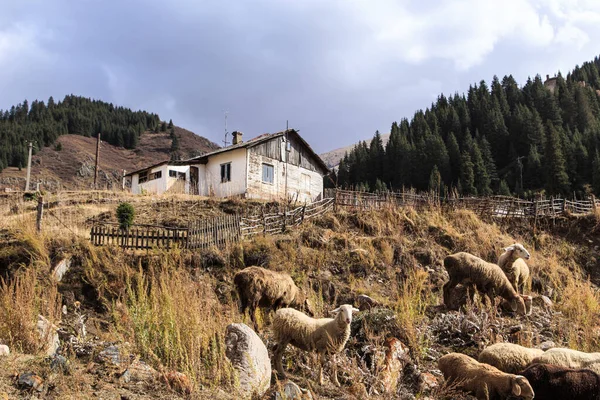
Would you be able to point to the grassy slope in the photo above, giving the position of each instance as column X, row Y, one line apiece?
column 393, row 255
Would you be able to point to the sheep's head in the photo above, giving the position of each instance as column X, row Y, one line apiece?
column 521, row 388
column 519, row 251
column 303, row 303
column 344, row 313
column 518, row 304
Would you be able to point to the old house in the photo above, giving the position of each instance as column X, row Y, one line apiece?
column 271, row 166
column 550, row 83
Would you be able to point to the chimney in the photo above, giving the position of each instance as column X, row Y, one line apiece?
column 237, row 137
column 547, row 76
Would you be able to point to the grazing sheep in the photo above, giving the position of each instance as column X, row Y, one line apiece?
column 484, row 381
column 260, row 287
column 513, row 265
column 569, row 358
column 323, row 335
column 528, row 304
column 555, row 382
column 509, row 357
column 488, row 278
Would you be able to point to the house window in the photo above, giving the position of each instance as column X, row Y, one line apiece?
column 143, row 177
column 306, row 183
column 181, row 176
column 268, row 173
column 225, row 172
column 155, row 175
column 172, row 174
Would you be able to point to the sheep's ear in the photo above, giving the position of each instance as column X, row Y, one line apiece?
column 355, row 309
column 513, row 306
column 509, row 248
column 337, row 310
column 516, row 389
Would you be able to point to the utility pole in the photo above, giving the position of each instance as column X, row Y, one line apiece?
column 28, row 167
column 97, row 157
column 225, row 142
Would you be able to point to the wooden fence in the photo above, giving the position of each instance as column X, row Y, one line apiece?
column 217, row 231
column 494, row 206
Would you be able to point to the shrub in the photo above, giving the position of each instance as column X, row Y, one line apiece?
column 125, row 214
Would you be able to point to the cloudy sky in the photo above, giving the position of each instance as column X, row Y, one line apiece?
column 336, row 69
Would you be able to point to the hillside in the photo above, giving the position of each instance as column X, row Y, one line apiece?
column 332, row 158
column 70, row 165
column 137, row 304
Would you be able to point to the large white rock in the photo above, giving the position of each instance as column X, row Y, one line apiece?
column 4, row 350
column 61, row 269
column 250, row 358
column 48, row 335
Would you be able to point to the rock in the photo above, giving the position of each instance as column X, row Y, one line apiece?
column 61, row 269
column 365, row 302
column 178, row 382
column 29, row 380
column 250, row 358
column 427, row 382
column 548, row 344
column 396, row 357
column 138, row 371
column 48, row 335
column 4, row 350
column 291, row 391
column 543, row 302
column 110, row 355
column 60, row 363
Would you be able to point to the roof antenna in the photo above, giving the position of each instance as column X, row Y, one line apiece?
column 225, row 142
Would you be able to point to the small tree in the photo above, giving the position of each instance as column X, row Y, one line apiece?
column 503, row 190
column 125, row 214
column 170, row 124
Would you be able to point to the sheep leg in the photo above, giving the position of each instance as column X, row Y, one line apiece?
column 243, row 305
column 482, row 392
column 321, row 362
column 334, row 374
column 448, row 286
column 253, row 307
column 278, row 354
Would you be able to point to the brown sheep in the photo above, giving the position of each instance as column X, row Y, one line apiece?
column 488, row 278
column 484, row 381
column 555, row 382
column 513, row 264
column 260, row 287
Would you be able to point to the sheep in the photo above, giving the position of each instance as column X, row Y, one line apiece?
column 509, row 357
column 569, row 358
column 488, row 278
column 260, row 287
column 556, row 382
column 513, row 265
column 323, row 335
column 484, row 381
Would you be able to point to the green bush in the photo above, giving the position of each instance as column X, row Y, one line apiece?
column 125, row 214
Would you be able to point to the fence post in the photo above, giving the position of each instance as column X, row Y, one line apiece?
column 564, row 206
column 303, row 210
column 40, row 214
column 264, row 222
column 594, row 204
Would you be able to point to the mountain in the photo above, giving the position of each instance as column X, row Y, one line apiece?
column 332, row 158
column 69, row 163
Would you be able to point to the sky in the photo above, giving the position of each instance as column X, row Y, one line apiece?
column 337, row 70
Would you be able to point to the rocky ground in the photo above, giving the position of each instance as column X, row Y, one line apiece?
column 157, row 324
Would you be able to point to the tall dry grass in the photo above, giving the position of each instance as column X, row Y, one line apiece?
column 178, row 322
column 22, row 299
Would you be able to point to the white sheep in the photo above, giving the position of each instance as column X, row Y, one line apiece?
column 509, row 357
column 569, row 358
column 488, row 278
column 323, row 335
column 483, row 380
column 513, row 265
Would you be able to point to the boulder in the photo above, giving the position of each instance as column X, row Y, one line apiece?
column 111, row 355
column 291, row 391
column 396, row 358
column 30, row 381
column 4, row 350
column 138, row 371
column 365, row 302
column 543, row 302
column 48, row 335
column 427, row 383
column 250, row 358
column 61, row 269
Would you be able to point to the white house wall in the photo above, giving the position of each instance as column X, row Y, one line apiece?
column 172, row 181
column 154, row 186
column 213, row 186
column 277, row 191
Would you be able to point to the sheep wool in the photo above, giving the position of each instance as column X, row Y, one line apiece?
column 570, row 358
column 509, row 357
column 323, row 335
column 513, row 264
column 483, row 380
column 488, row 278
column 555, row 382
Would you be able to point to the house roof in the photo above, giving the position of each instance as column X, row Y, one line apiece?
column 247, row 144
column 261, row 139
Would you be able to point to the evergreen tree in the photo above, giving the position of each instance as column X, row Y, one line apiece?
column 596, row 174
column 163, row 127
column 435, row 181
column 481, row 178
column 557, row 181
column 170, row 126
column 467, row 176
column 454, row 157
column 503, row 190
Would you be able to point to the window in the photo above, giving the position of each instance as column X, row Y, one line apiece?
column 225, row 172
column 143, row 177
column 155, row 175
column 306, row 183
column 181, row 176
column 172, row 174
column 268, row 173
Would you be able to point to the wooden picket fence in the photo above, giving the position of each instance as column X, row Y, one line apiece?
column 218, row 231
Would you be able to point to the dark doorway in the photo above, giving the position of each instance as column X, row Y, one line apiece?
column 194, row 175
